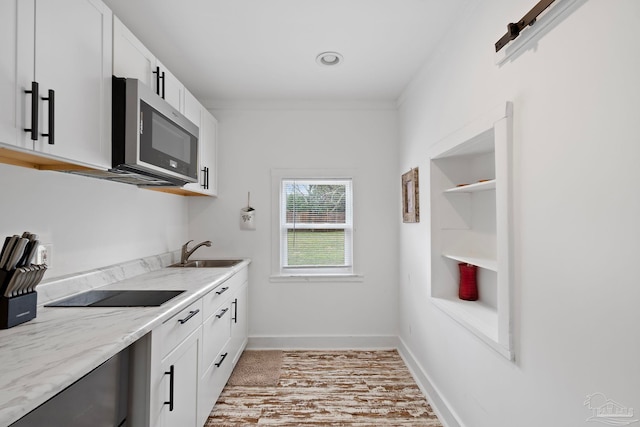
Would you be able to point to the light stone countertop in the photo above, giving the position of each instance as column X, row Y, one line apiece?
column 40, row 358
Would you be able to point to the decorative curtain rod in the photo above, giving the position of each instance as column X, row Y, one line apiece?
column 513, row 30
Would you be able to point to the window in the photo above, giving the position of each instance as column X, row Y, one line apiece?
column 315, row 226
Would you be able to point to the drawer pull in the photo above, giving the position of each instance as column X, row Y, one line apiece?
column 171, row 374
column 235, row 311
column 223, row 290
column 222, row 357
column 222, row 313
column 191, row 314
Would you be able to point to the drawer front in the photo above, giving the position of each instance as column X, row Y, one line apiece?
column 213, row 300
column 211, row 384
column 216, row 333
column 175, row 330
column 223, row 291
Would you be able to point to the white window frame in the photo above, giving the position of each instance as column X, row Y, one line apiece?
column 278, row 252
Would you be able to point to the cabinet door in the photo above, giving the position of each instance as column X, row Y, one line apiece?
column 180, row 370
column 130, row 57
column 192, row 111
column 8, row 77
column 192, row 108
column 73, row 40
column 172, row 90
column 209, row 151
column 239, row 322
column 16, row 71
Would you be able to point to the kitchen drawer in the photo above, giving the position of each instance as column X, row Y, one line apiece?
column 211, row 384
column 213, row 299
column 216, row 333
column 175, row 330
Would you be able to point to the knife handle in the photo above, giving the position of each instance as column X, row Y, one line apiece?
column 8, row 292
column 4, row 246
column 29, row 253
column 8, row 251
column 16, row 254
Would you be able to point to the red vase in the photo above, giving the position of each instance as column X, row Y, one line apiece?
column 468, row 283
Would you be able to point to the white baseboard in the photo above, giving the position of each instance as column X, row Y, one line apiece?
column 322, row 342
column 439, row 404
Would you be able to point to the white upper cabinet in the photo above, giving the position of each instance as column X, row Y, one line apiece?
column 64, row 47
column 8, row 81
column 209, row 152
column 169, row 87
column 130, row 57
column 192, row 108
column 207, row 146
column 133, row 60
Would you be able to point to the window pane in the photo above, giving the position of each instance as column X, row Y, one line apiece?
column 316, row 223
column 311, row 203
column 315, row 247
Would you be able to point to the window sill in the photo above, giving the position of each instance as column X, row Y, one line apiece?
column 281, row 278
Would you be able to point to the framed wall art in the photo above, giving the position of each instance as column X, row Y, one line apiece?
column 410, row 196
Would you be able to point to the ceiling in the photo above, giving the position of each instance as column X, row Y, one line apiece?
column 265, row 50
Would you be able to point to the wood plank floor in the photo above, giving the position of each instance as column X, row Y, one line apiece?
column 330, row 388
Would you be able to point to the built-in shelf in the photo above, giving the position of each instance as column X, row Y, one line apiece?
column 482, row 318
column 472, row 224
column 471, row 188
column 486, row 263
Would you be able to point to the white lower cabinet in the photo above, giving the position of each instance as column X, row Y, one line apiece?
column 212, row 383
column 239, row 322
column 223, row 341
column 173, row 368
column 179, row 383
column 180, row 368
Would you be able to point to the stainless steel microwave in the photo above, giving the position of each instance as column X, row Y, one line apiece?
column 150, row 137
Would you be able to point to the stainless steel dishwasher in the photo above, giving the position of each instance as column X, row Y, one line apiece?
column 99, row 399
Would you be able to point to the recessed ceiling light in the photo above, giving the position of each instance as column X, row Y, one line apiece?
column 329, row 59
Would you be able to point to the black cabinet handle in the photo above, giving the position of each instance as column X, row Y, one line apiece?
column 159, row 76
column 191, row 314
column 34, row 110
column 223, row 290
column 157, row 73
column 162, row 84
column 235, row 311
column 223, row 356
column 222, row 313
column 52, row 110
column 171, row 374
column 205, row 176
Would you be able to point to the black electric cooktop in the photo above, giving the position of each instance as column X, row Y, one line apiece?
column 114, row 298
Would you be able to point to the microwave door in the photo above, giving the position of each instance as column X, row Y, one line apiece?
column 165, row 146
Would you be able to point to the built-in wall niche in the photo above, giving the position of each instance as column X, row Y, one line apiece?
column 470, row 190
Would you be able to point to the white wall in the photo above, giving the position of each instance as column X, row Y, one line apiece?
column 91, row 223
column 251, row 144
column 576, row 95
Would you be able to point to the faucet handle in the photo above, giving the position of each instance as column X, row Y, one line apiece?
column 186, row 245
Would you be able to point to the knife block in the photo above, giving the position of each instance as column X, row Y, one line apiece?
column 17, row 309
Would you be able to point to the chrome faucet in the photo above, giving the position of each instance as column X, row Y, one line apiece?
column 186, row 253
